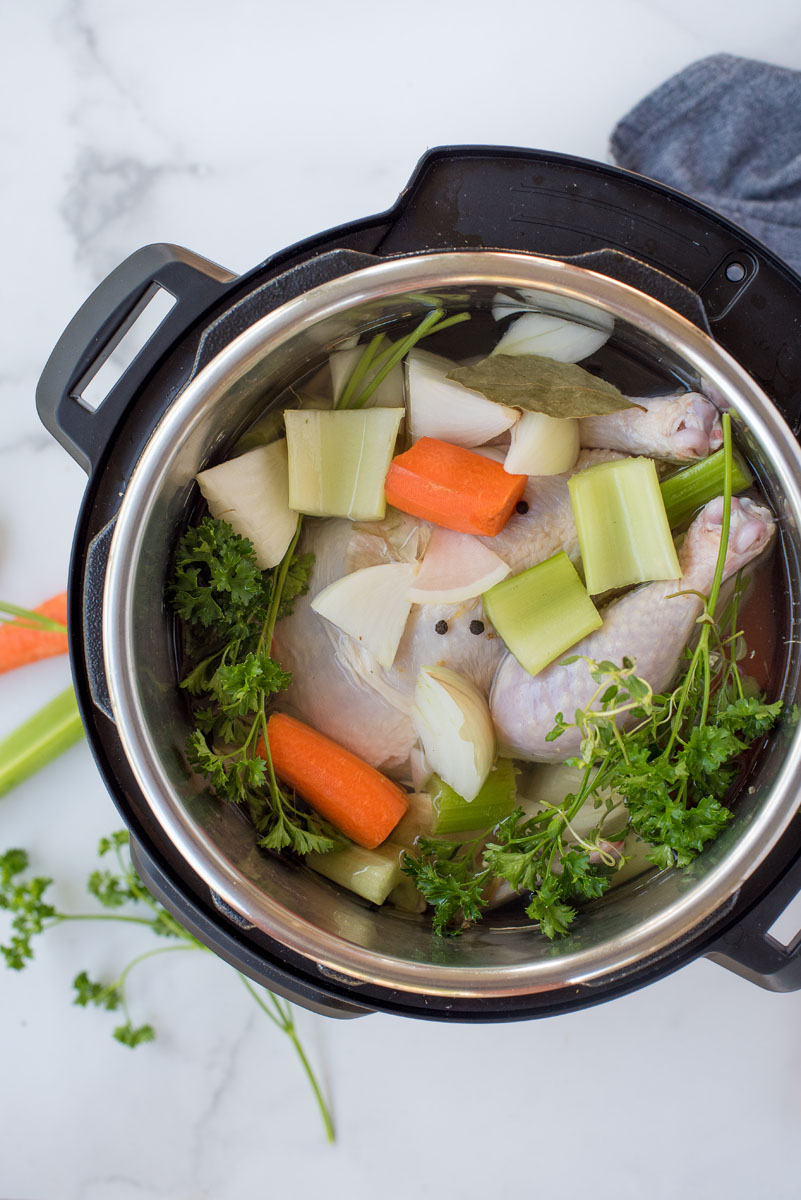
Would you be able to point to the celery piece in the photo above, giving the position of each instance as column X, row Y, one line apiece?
column 622, row 527
column 338, row 461
column 690, row 488
column 495, row 801
column 406, row 897
column 371, row 874
column 48, row 733
column 541, row 612
column 418, row 820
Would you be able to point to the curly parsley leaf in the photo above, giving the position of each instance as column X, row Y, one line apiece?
column 296, row 583
column 446, row 874
column 217, row 583
column 101, row 995
column 129, row 1035
column 219, row 592
column 25, row 900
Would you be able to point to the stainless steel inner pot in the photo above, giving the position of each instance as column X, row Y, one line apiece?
column 503, row 955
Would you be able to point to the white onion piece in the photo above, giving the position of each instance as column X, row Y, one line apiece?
column 551, row 337
column 552, row 303
column 371, row 607
column 388, row 394
column 452, row 720
column 251, row 493
column 442, row 408
column 543, row 445
column 455, row 567
column 496, row 453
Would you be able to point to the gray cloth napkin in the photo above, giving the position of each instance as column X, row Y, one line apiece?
column 727, row 131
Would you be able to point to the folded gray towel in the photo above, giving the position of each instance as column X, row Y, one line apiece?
column 727, row 131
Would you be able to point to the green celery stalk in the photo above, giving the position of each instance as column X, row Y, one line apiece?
column 496, row 800
column 380, row 366
column 690, row 488
column 541, row 612
column 622, row 527
column 371, row 874
column 45, row 735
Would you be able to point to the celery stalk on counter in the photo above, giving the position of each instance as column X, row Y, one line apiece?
column 40, row 739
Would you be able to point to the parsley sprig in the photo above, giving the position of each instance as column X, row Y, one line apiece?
column 672, row 766
column 231, row 607
column 23, row 897
column 445, row 873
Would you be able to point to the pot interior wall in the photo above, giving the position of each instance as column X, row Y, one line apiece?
column 197, row 433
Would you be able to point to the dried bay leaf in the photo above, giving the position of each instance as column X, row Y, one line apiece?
column 543, row 385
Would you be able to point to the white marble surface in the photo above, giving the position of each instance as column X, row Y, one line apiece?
column 236, row 129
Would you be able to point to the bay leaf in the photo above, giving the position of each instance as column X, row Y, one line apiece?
column 543, row 385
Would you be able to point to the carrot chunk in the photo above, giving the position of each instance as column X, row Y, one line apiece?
column 22, row 643
column 453, row 487
column 342, row 788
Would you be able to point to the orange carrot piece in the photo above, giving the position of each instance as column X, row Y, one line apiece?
column 21, row 644
column 342, row 788
column 453, row 487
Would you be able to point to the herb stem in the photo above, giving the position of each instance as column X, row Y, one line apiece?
column 360, row 370
column 701, row 652
column 286, row 1024
column 120, row 984
column 265, row 641
column 28, row 619
column 58, row 917
column 433, row 322
column 720, row 565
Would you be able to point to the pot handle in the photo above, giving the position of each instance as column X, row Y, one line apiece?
column 237, row 952
column 750, row 950
column 99, row 326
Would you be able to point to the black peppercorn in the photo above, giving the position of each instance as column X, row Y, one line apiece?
column 441, row 627
column 476, row 626
column 521, row 506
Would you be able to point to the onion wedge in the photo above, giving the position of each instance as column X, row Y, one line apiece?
column 452, row 720
column 456, row 567
column 441, row 408
column 251, row 493
column 543, row 445
column 371, row 606
column 551, row 337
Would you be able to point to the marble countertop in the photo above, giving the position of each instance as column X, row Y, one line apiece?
column 236, row 130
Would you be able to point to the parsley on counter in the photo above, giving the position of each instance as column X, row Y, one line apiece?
column 23, row 898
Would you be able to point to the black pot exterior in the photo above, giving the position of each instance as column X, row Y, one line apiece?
column 463, row 198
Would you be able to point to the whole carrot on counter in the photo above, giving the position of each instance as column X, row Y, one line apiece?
column 28, row 636
column 453, row 487
column 355, row 797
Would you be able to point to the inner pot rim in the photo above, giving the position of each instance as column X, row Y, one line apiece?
column 394, row 277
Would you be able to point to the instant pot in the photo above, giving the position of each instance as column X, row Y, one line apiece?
column 695, row 302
